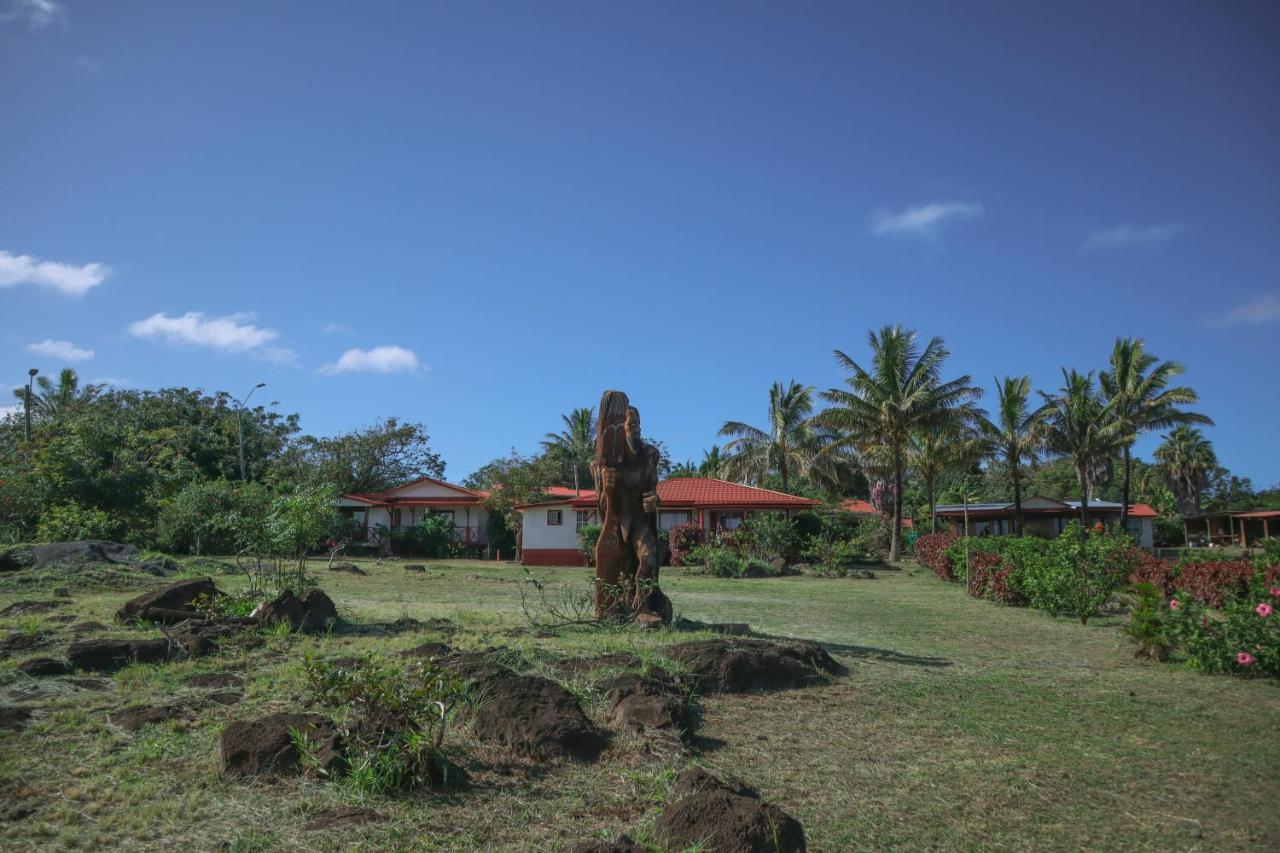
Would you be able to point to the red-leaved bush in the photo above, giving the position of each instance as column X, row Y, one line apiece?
column 1214, row 582
column 931, row 552
column 1151, row 569
column 683, row 538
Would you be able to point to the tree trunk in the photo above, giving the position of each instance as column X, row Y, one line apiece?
column 1124, row 505
column 895, row 547
column 1017, row 498
column 933, row 510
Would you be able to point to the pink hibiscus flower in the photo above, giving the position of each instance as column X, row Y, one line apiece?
column 1264, row 610
column 1244, row 659
column 1173, row 604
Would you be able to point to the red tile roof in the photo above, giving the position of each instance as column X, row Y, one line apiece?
column 1142, row 511
column 695, row 492
column 858, row 506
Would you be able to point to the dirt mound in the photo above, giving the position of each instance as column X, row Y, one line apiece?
column 215, row 680
column 224, row 697
column 724, row 817
column 169, row 604
column 402, row 625
column 133, row 718
column 14, row 717
column 41, row 667
column 528, row 714
column 313, row 613
column 656, row 702
column 427, row 651
column 744, row 666
column 197, row 638
column 623, row 844
column 22, row 641
column 414, row 567
column 87, row 627
column 341, row 817
column 266, row 746
column 27, row 608
column 105, row 655
column 347, row 568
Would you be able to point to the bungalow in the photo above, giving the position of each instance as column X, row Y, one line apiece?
column 405, row 506
column 1242, row 529
column 549, row 530
column 1045, row 517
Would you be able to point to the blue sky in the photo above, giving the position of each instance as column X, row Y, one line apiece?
column 480, row 215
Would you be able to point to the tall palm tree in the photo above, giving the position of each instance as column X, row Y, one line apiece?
column 575, row 445
column 1078, row 426
column 952, row 444
column 712, row 463
column 788, row 445
column 902, row 393
column 1015, row 435
column 1140, row 399
column 50, row 400
column 1188, row 460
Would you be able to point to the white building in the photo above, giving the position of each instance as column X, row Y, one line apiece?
column 405, row 506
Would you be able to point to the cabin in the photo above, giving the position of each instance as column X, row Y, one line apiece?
column 1235, row 529
column 1044, row 517
column 405, row 506
column 549, row 528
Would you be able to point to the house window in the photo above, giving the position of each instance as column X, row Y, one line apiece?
column 668, row 519
column 446, row 514
column 395, row 518
column 731, row 520
column 555, row 517
column 584, row 517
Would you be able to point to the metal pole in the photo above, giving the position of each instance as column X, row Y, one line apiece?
column 26, row 403
column 240, row 426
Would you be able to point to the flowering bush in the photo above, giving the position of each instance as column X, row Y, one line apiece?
column 683, row 538
column 1151, row 569
column 1242, row 637
column 931, row 552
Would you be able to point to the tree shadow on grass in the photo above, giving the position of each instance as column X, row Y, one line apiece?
column 883, row 655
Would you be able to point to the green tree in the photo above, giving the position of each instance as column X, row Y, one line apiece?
column 574, row 447
column 901, row 394
column 52, row 400
column 1140, row 399
column 712, row 464
column 788, row 445
column 1078, row 427
column 1188, row 460
column 371, row 459
column 1015, row 435
column 949, row 445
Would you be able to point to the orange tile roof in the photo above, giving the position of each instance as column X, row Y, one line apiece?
column 696, row 492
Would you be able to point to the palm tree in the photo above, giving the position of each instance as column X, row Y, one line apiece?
column 788, row 446
column 1078, row 427
column 1188, row 460
column 575, row 445
column 901, row 394
column 1015, row 435
column 712, row 463
column 683, row 469
column 1140, row 399
column 50, row 400
column 952, row 444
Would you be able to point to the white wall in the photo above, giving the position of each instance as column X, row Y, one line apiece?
column 536, row 533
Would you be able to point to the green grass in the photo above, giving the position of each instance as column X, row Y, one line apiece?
column 960, row 725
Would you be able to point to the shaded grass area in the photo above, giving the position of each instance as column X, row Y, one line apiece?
column 960, row 725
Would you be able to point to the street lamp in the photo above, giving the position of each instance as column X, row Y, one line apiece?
column 26, row 403
column 240, row 425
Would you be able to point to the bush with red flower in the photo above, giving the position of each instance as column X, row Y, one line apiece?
column 931, row 552
column 683, row 538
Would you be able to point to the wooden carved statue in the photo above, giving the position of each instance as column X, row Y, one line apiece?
column 626, row 478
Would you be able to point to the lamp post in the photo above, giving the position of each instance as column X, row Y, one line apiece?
column 26, row 403
column 240, row 425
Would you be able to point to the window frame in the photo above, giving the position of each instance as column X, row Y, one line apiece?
column 558, row 514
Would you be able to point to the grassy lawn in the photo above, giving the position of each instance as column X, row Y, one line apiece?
column 960, row 725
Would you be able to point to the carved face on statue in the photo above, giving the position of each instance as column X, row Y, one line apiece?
column 633, row 429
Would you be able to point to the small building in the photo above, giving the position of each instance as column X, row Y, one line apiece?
column 1236, row 529
column 1045, row 517
column 549, row 530
column 405, row 506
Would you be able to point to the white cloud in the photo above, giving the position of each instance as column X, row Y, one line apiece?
column 335, row 329
column 38, row 14
column 6, row 411
column 61, row 350
column 1263, row 309
column 383, row 359
column 232, row 334
column 924, row 220
column 64, row 278
column 1126, row 235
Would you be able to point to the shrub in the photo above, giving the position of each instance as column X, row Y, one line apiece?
column 1153, row 571
column 1214, row 582
column 833, row 559
column 717, row 561
column 767, row 537
column 212, row 517
column 754, row 567
column 588, row 536
column 1268, row 555
column 931, row 552
column 683, row 538
column 393, row 719
column 994, row 580
column 69, row 522
column 873, row 536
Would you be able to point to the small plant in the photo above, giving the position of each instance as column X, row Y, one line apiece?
column 393, row 720
column 682, row 539
column 831, row 558
column 588, row 536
